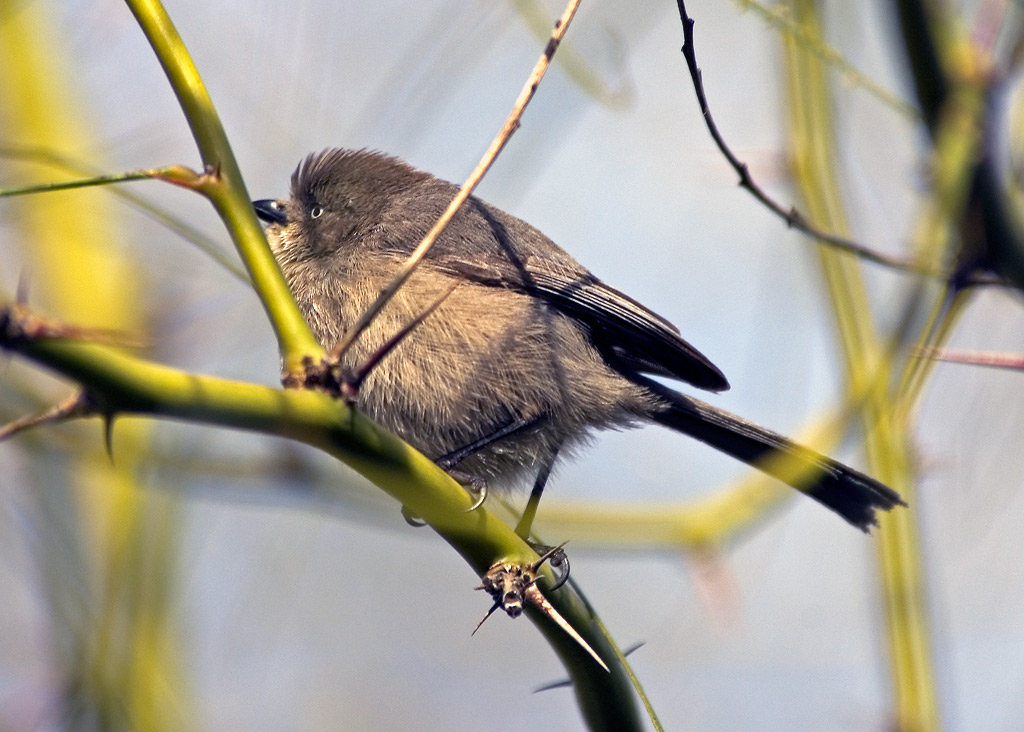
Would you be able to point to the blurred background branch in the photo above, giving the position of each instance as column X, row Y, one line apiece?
column 127, row 607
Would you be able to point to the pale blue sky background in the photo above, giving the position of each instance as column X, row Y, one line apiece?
column 347, row 619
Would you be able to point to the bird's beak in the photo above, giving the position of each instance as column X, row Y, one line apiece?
column 271, row 211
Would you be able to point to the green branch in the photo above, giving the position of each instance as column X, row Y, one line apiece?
column 888, row 439
column 119, row 384
column 224, row 186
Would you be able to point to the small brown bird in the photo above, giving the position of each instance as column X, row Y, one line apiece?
column 526, row 357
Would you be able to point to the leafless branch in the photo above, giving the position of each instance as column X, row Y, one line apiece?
column 793, row 218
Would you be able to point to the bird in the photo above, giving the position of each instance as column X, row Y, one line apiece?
column 528, row 353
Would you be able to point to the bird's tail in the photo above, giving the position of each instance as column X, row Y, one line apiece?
column 848, row 492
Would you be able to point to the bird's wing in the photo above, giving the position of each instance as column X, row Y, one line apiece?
column 632, row 334
column 628, row 334
column 495, row 249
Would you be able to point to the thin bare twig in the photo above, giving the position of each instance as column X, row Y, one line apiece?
column 793, row 218
column 74, row 407
column 18, row 323
column 350, row 386
column 535, row 596
column 43, row 155
column 80, row 183
column 510, row 126
column 1012, row 361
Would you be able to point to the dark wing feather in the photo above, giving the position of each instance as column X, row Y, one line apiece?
column 628, row 332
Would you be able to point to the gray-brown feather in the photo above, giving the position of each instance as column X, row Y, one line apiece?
column 487, row 357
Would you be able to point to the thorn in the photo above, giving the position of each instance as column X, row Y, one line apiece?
column 489, row 613
column 633, row 648
column 108, row 434
column 533, row 594
column 564, row 683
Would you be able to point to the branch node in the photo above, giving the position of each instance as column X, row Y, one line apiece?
column 511, row 585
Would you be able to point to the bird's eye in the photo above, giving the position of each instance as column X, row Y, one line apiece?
column 316, row 212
